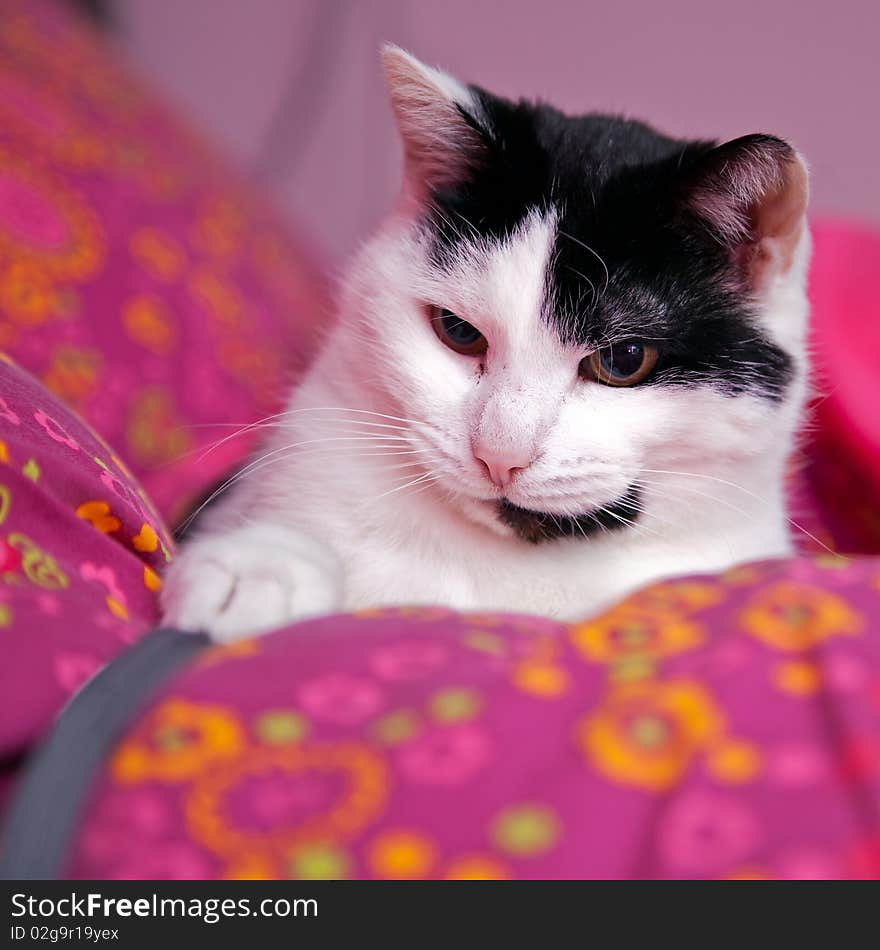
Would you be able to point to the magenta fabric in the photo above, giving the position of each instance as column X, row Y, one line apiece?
column 81, row 547
column 140, row 280
column 844, row 470
column 706, row 727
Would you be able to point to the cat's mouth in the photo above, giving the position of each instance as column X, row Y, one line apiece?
column 538, row 526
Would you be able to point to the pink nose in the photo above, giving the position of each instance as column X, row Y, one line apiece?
column 501, row 466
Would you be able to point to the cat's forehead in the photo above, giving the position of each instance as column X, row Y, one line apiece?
column 614, row 259
column 596, row 183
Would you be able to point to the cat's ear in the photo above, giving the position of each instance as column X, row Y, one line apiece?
column 752, row 193
column 439, row 119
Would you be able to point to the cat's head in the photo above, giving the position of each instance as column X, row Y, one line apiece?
column 572, row 308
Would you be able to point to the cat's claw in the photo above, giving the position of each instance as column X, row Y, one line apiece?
column 249, row 580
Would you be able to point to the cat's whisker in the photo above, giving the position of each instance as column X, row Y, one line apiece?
column 287, row 413
column 272, row 421
column 583, row 276
column 638, row 528
column 432, row 476
column 267, row 458
column 746, row 491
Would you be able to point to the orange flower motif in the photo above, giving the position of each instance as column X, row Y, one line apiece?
column 798, row 677
column 218, row 228
column 360, row 774
column 99, row 515
column 628, row 631
column 73, row 373
column 154, row 432
column 239, row 649
column 792, row 617
column 734, row 761
column 146, row 540
column 52, row 227
column 27, row 295
column 476, row 867
column 180, row 740
column 157, row 253
column 149, row 322
column 678, row 596
column 250, row 867
column 218, row 296
column 742, row 575
column 545, row 680
column 152, row 581
column 646, row 733
column 401, row 854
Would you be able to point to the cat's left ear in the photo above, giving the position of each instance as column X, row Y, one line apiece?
column 440, row 120
column 752, row 193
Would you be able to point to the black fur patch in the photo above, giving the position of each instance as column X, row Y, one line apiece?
column 538, row 526
column 628, row 260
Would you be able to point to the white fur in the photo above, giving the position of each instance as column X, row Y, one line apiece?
column 334, row 524
column 368, row 491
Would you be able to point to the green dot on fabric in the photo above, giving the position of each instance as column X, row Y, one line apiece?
column 649, row 731
column 485, row 642
column 280, row 727
column 525, row 830
column 396, row 727
column 455, row 704
column 319, row 863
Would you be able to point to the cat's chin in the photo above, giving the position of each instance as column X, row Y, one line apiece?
column 538, row 526
column 508, row 519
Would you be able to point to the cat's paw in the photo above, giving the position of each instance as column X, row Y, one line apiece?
column 245, row 581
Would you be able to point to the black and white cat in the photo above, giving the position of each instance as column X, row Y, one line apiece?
column 571, row 361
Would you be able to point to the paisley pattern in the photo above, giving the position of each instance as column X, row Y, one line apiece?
column 138, row 280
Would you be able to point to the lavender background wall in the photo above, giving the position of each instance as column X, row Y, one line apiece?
column 808, row 70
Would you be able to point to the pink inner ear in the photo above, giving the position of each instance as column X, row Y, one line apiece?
column 439, row 144
column 753, row 191
column 778, row 218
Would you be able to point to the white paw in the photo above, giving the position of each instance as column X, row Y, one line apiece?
column 234, row 584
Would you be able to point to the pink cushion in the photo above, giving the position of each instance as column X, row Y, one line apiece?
column 139, row 279
column 81, row 548
column 844, row 467
column 707, row 727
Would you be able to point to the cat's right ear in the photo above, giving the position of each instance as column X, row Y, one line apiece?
column 752, row 194
column 439, row 119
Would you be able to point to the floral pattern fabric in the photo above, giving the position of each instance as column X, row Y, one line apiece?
column 722, row 727
column 139, row 279
column 81, row 554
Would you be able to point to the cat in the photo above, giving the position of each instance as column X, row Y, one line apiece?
column 571, row 361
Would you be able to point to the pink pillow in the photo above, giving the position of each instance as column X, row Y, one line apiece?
column 140, row 280
column 81, row 551
column 844, row 469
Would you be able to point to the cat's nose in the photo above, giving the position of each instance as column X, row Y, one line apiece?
column 501, row 466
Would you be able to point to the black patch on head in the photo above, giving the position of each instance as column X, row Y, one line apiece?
column 538, row 526
column 628, row 262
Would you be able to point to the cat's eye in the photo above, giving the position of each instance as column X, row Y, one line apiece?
column 458, row 334
column 621, row 364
